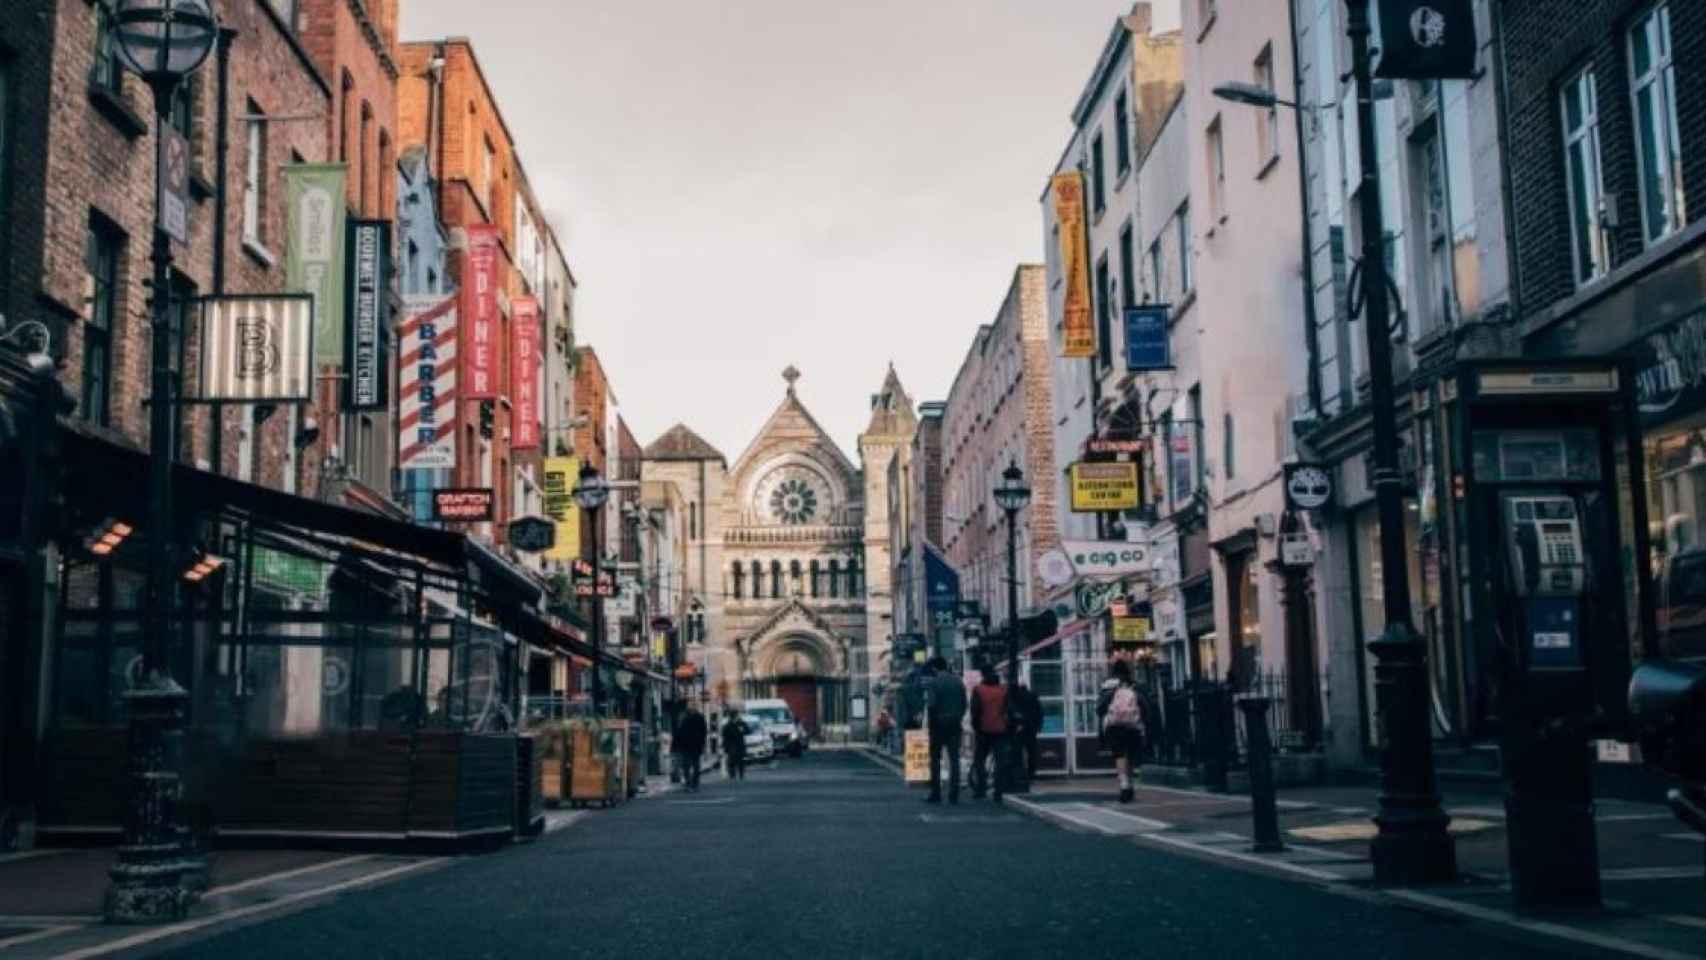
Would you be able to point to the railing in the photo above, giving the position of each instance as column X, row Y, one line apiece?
column 1200, row 723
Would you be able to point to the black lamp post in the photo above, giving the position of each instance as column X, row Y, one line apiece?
column 162, row 41
column 1413, row 846
column 591, row 493
column 1011, row 495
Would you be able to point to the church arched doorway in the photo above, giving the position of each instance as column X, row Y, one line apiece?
column 796, row 684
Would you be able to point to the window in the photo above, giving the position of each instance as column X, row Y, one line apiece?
column 739, row 579
column 1581, row 161
column 1122, row 134
column 364, row 160
column 254, row 177
column 815, row 573
column 286, row 10
column 1104, row 323
column 1216, row 170
column 1128, row 290
column 347, row 87
column 182, row 113
column 387, row 170
column 835, row 578
column 1199, row 442
column 1206, row 10
column 1228, row 447
column 1157, row 278
column 101, row 257
column 1427, row 182
column 776, row 580
column 1183, row 219
column 757, row 580
column 488, row 163
column 107, row 72
column 1098, row 180
column 1267, row 121
column 1657, row 146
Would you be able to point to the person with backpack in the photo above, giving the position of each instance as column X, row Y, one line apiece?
column 1122, row 711
column 990, row 728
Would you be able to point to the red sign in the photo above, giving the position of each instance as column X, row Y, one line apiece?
column 463, row 504
column 1101, row 445
column 524, row 373
column 480, row 320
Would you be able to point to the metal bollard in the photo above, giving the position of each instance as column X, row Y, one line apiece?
column 1264, row 806
column 1212, row 738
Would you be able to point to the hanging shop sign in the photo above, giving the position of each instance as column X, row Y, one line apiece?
column 174, row 198
column 622, row 602
column 582, row 573
column 1427, row 40
column 463, row 504
column 1296, row 551
column 1308, row 486
column 1099, row 487
column 1097, row 558
column 1147, row 346
column 1131, row 631
column 943, row 583
column 480, row 315
column 1670, row 369
column 1079, row 329
column 426, row 384
column 524, row 374
column 560, row 506
column 1055, row 568
column 1092, row 599
column 1114, row 447
column 532, row 534
column 257, row 349
column 366, row 360
column 314, row 249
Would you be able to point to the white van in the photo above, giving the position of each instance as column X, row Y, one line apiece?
column 780, row 724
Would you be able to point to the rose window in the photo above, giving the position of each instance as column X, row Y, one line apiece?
column 793, row 501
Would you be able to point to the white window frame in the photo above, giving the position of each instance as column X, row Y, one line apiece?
column 254, row 169
column 1584, row 138
column 1185, row 277
column 1216, row 143
column 1661, row 77
column 1267, row 120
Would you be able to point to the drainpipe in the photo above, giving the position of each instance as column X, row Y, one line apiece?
column 1310, row 330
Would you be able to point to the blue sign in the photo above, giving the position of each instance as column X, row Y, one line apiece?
column 942, row 583
column 1146, row 344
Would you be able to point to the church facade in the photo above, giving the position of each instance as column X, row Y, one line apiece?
column 779, row 557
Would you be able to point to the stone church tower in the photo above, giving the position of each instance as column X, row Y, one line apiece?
column 887, row 438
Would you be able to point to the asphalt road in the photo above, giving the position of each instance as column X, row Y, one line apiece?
column 830, row 857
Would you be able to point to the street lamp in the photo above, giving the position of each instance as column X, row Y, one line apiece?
column 1413, row 846
column 1011, row 495
column 591, row 493
column 162, row 41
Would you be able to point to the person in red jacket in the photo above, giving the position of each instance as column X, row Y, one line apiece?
column 989, row 726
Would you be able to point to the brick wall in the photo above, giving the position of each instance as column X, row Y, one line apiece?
column 1546, row 42
column 26, row 57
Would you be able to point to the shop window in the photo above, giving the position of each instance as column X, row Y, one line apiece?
column 1657, row 144
column 1676, row 475
column 1580, row 107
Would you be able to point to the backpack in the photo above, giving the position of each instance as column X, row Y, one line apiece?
column 1124, row 710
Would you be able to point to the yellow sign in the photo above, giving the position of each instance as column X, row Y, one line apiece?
column 1104, row 486
column 660, row 647
column 1078, row 327
column 917, row 756
column 1131, row 630
column 561, row 475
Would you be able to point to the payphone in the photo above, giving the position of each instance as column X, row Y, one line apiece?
column 1548, row 507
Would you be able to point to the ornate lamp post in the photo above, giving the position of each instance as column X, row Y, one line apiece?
column 162, row 41
column 1011, row 495
column 591, row 493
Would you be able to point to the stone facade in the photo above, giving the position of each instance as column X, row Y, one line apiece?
column 885, row 453
column 700, row 472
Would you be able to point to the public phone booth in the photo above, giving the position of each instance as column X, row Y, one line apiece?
column 1547, row 487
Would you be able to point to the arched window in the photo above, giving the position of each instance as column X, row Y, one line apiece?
column 794, row 577
column 835, row 578
column 739, row 577
column 814, row 577
column 853, row 577
column 757, row 581
column 776, row 591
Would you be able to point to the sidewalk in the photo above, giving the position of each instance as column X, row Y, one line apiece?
column 1651, row 865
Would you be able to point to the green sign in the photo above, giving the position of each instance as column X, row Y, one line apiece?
column 280, row 571
column 314, row 249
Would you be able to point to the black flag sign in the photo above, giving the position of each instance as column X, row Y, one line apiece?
column 1426, row 39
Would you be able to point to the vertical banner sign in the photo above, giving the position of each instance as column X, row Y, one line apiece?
column 524, row 374
column 1067, row 190
column 480, row 314
column 314, row 249
column 561, row 475
column 257, row 349
column 174, row 199
column 1146, row 344
column 365, row 354
column 1427, row 40
column 426, row 384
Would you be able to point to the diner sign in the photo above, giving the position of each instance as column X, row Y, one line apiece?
column 524, row 374
column 480, row 297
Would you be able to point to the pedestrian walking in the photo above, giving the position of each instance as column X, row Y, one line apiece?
column 885, row 729
column 689, row 742
column 989, row 728
column 1122, row 711
column 734, row 747
column 1027, row 716
column 946, row 707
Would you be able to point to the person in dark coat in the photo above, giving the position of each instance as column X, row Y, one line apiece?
column 689, row 742
column 1027, row 712
column 734, row 746
column 946, row 709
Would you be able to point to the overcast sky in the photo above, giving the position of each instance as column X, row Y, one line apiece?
column 744, row 184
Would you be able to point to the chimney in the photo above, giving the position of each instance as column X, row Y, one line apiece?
column 1140, row 18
